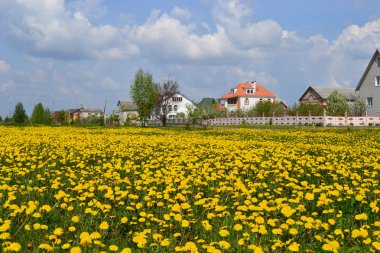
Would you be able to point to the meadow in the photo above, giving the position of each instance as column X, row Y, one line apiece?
column 65, row 189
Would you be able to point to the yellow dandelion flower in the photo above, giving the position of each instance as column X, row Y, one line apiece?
column 46, row 247
column 224, row 245
column 223, row 233
column 361, row 216
column 126, row 250
column 58, row 231
column 238, row 227
column 14, row 246
column 331, row 246
column 295, row 247
column 376, row 245
column 75, row 219
column 124, row 220
column 75, row 250
column 104, row 225
column 65, row 246
column 185, row 223
column 113, row 248
column 165, row 242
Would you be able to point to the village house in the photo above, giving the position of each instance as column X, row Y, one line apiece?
column 245, row 96
column 369, row 85
column 126, row 112
column 82, row 113
column 179, row 105
column 319, row 95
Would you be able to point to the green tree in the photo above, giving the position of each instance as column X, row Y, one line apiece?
column 63, row 117
column 38, row 115
column 19, row 114
column 48, row 117
column 194, row 116
column 337, row 104
column 359, row 107
column 1, row 119
column 144, row 95
column 305, row 109
column 263, row 108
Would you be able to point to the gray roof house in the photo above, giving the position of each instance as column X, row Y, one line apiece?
column 127, row 112
column 319, row 95
column 369, row 85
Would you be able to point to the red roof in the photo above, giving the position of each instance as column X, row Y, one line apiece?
column 260, row 91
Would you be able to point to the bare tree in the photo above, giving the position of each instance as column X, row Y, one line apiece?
column 166, row 92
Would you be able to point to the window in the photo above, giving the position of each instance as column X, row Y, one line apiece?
column 175, row 108
column 249, row 91
column 378, row 61
column 246, row 101
column 170, row 108
column 377, row 81
column 177, row 99
column 232, row 101
column 369, row 101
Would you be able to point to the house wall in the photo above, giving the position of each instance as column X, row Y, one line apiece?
column 84, row 115
column 368, row 89
column 252, row 101
column 123, row 116
column 181, row 107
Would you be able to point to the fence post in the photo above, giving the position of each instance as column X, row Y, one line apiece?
column 345, row 120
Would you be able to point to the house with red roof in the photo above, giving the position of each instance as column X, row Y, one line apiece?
column 245, row 96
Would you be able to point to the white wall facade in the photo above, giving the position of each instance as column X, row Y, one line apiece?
column 252, row 101
column 178, row 105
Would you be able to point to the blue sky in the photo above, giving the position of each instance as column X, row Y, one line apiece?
column 82, row 52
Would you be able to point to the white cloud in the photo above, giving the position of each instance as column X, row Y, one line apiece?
column 231, row 13
column 157, row 40
column 109, row 83
column 181, row 13
column 49, row 28
column 4, row 67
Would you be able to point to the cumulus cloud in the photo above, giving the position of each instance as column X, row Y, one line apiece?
column 231, row 13
column 157, row 40
column 50, row 29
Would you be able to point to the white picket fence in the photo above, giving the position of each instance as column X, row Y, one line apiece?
column 297, row 120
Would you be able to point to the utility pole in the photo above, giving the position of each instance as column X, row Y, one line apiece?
column 104, row 111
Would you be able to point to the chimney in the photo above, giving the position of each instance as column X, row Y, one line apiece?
column 254, row 85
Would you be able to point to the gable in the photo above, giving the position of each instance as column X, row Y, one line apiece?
column 373, row 61
column 310, row 95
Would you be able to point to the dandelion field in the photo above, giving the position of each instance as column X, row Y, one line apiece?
column 159, row 190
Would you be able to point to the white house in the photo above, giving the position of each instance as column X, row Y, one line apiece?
column 245, row 96
column 178, row 104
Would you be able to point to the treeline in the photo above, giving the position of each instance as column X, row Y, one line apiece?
column 44, row 116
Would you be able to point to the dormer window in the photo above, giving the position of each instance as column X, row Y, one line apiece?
column 250, row 91
column 177, row 99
